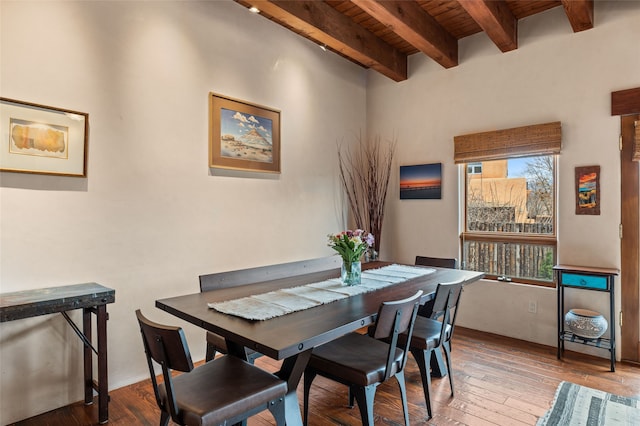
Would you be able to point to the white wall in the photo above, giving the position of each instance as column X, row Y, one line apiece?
column 554, row 75
column 151, row 216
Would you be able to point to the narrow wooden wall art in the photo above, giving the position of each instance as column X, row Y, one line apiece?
column 588, row 190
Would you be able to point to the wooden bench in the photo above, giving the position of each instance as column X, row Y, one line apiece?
column 208, row 282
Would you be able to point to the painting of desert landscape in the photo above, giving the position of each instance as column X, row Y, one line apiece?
column 245, row 136
column 421, row 182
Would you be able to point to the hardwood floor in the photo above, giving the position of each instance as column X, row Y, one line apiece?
column 498, row 381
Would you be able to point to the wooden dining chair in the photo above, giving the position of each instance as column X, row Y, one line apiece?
column 226, row 390
column 364, row 361
column 434, row 334
column 426, row 309
column 439, row 262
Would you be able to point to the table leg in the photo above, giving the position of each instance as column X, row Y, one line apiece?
column 103, row 383
column 234, row 349
column 88, row 357
column 291, row 371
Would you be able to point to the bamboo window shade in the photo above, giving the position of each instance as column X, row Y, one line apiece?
column 537, row 139
column 636, row 142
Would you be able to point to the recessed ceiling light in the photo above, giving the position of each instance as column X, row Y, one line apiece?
column 254, row 9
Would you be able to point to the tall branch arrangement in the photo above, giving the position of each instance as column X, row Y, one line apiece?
column 365, row 173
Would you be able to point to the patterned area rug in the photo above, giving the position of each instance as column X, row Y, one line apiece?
column 576, row 405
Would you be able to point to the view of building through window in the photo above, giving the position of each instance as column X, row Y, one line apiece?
column 510, row 219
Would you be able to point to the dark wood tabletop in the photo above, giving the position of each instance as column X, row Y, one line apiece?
column 43, row 301
column 290, row 334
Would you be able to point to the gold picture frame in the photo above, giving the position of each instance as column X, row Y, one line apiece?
column 243, row 136
column 42, row 139
column 588, row 190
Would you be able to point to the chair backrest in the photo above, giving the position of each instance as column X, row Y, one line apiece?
column 439, row 262
column 266, row 273
column 447, row 299
column 447, row 296
column 166, row 346
column 395, row 318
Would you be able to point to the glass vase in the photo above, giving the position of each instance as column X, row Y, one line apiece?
column 351, row 272
column 371, row 255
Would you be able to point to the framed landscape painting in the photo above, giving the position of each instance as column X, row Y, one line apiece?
column 44, row 140
column 421, row 182
column 243, row 136
column 588, row 190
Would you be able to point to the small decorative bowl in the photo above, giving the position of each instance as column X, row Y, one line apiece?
column 586, row 324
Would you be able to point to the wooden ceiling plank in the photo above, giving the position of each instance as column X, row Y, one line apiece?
column 418, row 28
column 496, row 19
column 580, row 14
column 324, row 24
column 522, row 9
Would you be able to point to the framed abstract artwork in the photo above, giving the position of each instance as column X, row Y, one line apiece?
column 588, row 190
column 421, row 182
column 243, row 136
column 41, row 139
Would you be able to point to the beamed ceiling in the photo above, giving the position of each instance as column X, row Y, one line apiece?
column 381, row 34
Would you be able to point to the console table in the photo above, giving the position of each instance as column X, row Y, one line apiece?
column 587, row 278
column 92, row 298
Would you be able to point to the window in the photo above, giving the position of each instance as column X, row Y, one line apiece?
column 510, row 220
column 509, row 207
column 474, row 168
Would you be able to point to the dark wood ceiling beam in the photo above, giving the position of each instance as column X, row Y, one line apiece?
column 625, row 102
column 580, row 14
column 322, row 23
column 418, row 28
column 496, row 19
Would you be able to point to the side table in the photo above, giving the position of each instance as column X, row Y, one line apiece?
column 92, row 298
column 587, row 278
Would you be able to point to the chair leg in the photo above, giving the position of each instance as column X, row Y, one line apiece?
column 211, row 352
column 365, row 396
column 277, row 410
column 251, row 359
column 447, row 358
column 164, row 418
column 309, row 375
column 403, row 396
column 423, row 359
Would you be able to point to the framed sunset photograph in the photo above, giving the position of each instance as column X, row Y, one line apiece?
column 421, row 182
column 243, row 136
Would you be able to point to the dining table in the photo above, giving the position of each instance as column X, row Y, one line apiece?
column 292, row 337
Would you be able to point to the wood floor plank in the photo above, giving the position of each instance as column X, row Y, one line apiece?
column 498, row 381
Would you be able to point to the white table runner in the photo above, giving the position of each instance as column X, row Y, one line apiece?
column 281, row 302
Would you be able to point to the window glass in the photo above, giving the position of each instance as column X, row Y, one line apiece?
column 510, row 219
column 474, row 168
